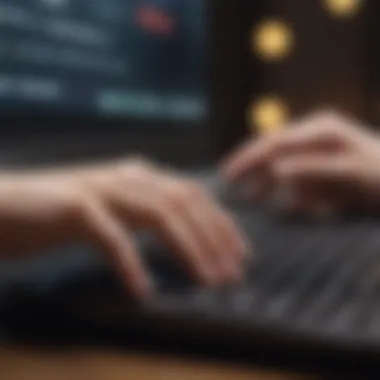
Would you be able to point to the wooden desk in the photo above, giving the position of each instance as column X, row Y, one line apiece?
column 28, row 364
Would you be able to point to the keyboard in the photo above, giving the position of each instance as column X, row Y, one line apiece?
column 309, row 284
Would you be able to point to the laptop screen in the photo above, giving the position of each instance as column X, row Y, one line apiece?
column 125, row 58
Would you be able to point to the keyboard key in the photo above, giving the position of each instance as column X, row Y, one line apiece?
column 242, row 301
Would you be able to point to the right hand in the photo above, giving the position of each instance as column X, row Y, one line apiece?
column 103, row 204
column 331, row 163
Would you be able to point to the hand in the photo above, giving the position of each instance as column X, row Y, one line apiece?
column 330, row 162
column 102, row 204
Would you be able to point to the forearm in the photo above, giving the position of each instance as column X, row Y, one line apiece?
column 30, row 218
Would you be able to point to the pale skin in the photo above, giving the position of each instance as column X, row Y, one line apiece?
column 330, row 161
column 105, row 204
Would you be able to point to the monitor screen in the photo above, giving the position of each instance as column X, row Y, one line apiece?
column 140, row 59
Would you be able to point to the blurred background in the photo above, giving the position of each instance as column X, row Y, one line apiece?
column 241, row 66
column 289, row 58
column 230, row 67
column 116, row 57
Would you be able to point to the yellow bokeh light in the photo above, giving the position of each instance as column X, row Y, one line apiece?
column 343, row 8
column 272, row 40
column 268, row 115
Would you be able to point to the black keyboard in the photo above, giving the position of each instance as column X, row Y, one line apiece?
column 308, row 284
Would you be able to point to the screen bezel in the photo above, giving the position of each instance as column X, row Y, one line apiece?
column 175, row 142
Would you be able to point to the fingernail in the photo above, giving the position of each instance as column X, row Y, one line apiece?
column 243, row 249
column 232, row 270
column 210, row 276
column 280, row 169
column 143, row 289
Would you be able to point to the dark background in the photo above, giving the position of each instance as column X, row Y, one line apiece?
column 334, row 64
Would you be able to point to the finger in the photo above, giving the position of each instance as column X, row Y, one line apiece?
column 104, row 230
column 219, row 237
column 211, row 226
column 151, row 207
column 216, row 238
column 294, row 139
column 218, row 222
column 334, row 168
column 229, row 234
column 180, row 238
column 218, row 246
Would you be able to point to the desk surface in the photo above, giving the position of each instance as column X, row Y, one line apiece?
column 28, row 364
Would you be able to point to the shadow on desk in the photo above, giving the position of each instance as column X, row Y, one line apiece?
column 32, row 364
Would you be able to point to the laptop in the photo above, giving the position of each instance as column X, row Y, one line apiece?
column 117, row 78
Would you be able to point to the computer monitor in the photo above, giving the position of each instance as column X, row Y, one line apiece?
column 131, row 71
